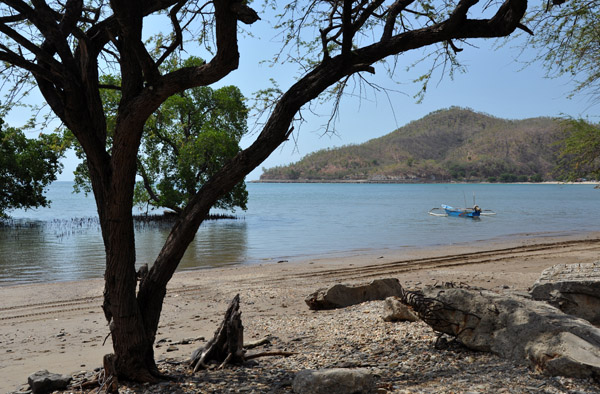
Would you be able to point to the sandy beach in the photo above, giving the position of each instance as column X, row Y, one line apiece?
column 60, row 326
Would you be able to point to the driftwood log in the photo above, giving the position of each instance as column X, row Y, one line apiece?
column 227, row 346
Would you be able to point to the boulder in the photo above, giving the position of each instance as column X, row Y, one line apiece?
column 513, row 327
column 573, row 288
column 395, row 310
column 340, row 296
column 334, row 381
column 43, row 382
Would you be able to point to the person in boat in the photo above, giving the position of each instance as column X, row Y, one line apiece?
column 476, row 208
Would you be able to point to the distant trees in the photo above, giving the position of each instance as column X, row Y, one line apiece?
column 27, row 167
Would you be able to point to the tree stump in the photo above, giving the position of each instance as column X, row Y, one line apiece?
column 227, row 346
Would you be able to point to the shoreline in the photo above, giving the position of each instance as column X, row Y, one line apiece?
column 420, row 182
column 60, row 326
column 397, row 252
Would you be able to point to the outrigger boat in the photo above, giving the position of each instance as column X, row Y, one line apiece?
column 474, row 212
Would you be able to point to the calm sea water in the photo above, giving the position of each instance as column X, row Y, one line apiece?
column 291, row 221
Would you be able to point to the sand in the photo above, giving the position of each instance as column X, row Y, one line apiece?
column 60, row 326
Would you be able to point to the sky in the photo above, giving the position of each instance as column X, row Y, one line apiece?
column 496, row 82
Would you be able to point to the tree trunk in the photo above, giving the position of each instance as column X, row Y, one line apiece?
column 133, row 346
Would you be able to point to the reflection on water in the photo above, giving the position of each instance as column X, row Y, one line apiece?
column 217, row 244
column 70, row 250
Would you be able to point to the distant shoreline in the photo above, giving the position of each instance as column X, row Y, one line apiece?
column 400, row 182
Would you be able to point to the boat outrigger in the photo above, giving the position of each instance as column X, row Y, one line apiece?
column 474, row 212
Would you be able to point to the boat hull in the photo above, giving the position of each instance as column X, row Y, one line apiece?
column 461, row 212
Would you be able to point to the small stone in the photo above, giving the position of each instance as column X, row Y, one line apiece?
column 334, row 381
column 395, row 310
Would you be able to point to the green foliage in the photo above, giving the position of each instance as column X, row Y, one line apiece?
column 27, row 167
column 508, row 177
column 536, row 178
column 580, row 150
column 186, row 141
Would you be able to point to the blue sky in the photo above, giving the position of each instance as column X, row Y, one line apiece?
column 496, row 82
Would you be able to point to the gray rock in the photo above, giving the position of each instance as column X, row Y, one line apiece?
column 340, row 296
column 524, row 330
column 43, row 382
column 395, row 310
column 334, row 381
column 574, row 289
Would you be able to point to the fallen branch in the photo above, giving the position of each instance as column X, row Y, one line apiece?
column 267, row 354
column 260, row 342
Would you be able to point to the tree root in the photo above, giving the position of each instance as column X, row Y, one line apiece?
column 227, row 345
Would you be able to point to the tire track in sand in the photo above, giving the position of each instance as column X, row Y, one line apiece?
column 41, row 310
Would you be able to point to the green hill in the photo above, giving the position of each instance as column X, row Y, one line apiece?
column 451, row 144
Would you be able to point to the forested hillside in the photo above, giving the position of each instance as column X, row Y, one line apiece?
column 452, row 144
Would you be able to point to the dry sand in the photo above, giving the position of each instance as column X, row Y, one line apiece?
column 60, row 326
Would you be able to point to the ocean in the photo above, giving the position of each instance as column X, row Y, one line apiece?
column 291, row 221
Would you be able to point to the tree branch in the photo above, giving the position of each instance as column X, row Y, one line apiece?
column 390, row 21
column 347, row 28
column 178, row 40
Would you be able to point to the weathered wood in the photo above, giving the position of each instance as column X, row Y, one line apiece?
column 260, row 342
column 269, row 354
column 512, row 327
column 227, row 345
column 110, row 383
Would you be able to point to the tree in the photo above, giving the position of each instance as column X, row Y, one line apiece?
column 580, row 150
column 189, row 137
column 27, row 167
column 188, row 140
column 66, row 46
